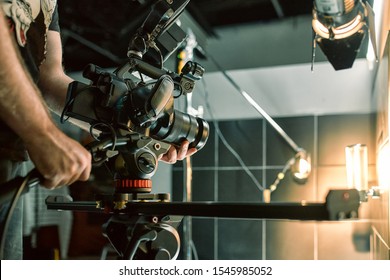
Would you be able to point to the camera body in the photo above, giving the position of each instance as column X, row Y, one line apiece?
column 143, row 107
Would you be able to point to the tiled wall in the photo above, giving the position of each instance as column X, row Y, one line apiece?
column 380, row 204
column 218, row 176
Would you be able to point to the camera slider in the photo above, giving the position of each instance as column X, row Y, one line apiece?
column 145, row 227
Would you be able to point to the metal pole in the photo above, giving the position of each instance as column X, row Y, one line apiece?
column 187, row 55
column 254, row 104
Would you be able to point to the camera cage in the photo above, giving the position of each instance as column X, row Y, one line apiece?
column 120, row 105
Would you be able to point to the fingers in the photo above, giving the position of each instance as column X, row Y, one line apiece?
column 173, row 154
column 191, row 151
column 57, row 181
column 86, row 171
column 79, row 171
column 60, row 167
column 170, row 156
column 182, row 153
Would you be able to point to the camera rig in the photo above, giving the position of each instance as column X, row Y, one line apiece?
column 133, row 120
column 134, row 116
column 136, row 122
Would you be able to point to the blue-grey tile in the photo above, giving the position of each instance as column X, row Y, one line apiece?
column 203, row 237
column 289, row 240
column 339, row 131
column 246, row 138
column 202, row 185
column 301, row 132
column 206, row 156
column 239, row 239
column 237, row 186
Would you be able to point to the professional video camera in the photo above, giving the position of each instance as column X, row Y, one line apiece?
column 133, row 114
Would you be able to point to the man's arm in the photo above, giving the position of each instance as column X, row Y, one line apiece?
column 54, row 82
column 58, row 158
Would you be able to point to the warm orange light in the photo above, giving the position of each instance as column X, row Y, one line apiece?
column 357, row 166
column 339, row 32
column 302, row 166
column 332, row 21
column 383, row 163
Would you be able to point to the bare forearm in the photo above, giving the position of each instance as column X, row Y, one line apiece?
column 21, row 105
column 54, row 82
column 54, row 91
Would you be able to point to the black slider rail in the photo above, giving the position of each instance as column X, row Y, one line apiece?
column 339, row 205
column 143, row 227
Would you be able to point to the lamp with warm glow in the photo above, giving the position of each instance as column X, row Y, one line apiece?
column 356, row 158
column 301, row 166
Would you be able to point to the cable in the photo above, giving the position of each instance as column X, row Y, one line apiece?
column 11, row 208
column 111, row 131
column 256, row 106
column 227, row 145
column 181, row 91
column 280, row 176
column 194, row 251
column 99, row 161
column 66, row 109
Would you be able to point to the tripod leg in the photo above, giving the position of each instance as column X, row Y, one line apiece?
column 143, row 234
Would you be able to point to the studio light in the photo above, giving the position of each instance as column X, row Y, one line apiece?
column 356, row 161
column 339, row 27
column 301, row 166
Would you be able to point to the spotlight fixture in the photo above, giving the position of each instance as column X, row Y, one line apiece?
column 339, row 27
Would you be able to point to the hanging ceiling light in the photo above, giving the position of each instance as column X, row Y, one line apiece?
column 339, row 28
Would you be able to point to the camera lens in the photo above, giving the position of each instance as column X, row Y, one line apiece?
column 176, row 127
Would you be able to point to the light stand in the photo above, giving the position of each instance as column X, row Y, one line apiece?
column 187, row 54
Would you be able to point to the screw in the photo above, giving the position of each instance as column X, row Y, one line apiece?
column 157, row 146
